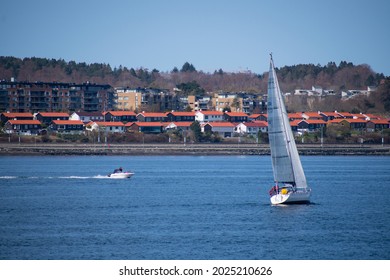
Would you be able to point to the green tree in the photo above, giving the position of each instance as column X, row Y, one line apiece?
column 195, row 128
column 236, row 103
column 384, row 91
column 187, row 67
column 191, row 88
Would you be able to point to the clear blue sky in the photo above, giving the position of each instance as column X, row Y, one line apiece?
column 235, row 35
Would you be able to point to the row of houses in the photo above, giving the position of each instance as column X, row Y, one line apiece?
column 129, row 116
column 226, row 124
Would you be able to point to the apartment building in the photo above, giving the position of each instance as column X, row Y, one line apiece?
column 54, row 97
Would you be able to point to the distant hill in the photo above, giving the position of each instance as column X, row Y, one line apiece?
column 339, row 77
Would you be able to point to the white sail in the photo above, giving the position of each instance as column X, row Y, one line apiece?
column 286, row 163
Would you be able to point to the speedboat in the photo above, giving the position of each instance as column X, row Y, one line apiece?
column 121, row 175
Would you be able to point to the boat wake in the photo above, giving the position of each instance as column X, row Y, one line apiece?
column 55, row 177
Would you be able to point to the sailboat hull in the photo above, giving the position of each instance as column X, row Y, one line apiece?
column 297, row 197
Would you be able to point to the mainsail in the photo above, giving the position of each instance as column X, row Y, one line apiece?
column 286, row 163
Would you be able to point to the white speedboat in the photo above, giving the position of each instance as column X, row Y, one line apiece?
column 121, row 175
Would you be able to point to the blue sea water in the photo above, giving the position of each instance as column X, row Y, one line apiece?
column 190, row 207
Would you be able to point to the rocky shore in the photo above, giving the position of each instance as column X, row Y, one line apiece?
column 181, row 149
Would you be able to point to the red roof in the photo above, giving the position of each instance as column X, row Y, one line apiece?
column 121, row 113
column 313, row 115
column 208, row 113
column 333, row 114
column 181, row 124
column 236, row 114
column 53, row 115
column 24, row 122
column 68, row 122
column 359, row 116
column 153, row 115
column 379, row 121
column 109, row 123
column 182, row 114
column 18, row 115
column 295, row 115
column 372, row 117
column 345, row 114
column 295, row 122
column 148, row 124
column 256, row 124
column 347, row 120
column 89, row 114
column 309, row 121
column 220, row 124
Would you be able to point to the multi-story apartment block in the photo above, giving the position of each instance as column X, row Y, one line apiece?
column 146, row 99
column 238, row 102
column 54, row 97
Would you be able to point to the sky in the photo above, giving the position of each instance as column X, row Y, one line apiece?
column 232, row 35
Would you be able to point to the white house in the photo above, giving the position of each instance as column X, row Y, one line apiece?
column 109, row 127
column 87, row 117
column 251, row 128
column 224, row 129
column 208, row 116
column 184, row 126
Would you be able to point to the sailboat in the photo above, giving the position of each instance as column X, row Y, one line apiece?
column 290, row 181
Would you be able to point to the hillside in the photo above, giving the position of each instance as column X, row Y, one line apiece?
column 339, row 77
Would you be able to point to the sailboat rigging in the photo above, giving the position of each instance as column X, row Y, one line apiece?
column 286, row 163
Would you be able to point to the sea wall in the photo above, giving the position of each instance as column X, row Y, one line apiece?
column 181, row 149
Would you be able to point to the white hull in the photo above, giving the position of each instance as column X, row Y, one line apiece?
column 122, row 175
column 300, row 196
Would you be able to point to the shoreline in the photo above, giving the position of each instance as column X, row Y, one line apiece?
column 40, row 149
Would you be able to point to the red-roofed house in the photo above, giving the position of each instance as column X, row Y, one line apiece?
column 146, row 127
column 151, row 117
column 208, row 116
column 235, row 117
column 328, row 116
column 251, row 128
column 295, row 116
column 311, row 125
column 180, row 116
column 23, row 127
column 120, row 116
column 371, row 117
column 16, row 116
column 377, row 125
column 67, row 126
column 47, row 118
column 312, row 116
column 345, row 115
column 258, row 117
column 357, row 124
column 224, row 129
column 366, row 117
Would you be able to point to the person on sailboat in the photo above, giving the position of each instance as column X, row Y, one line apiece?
column 274, row 190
